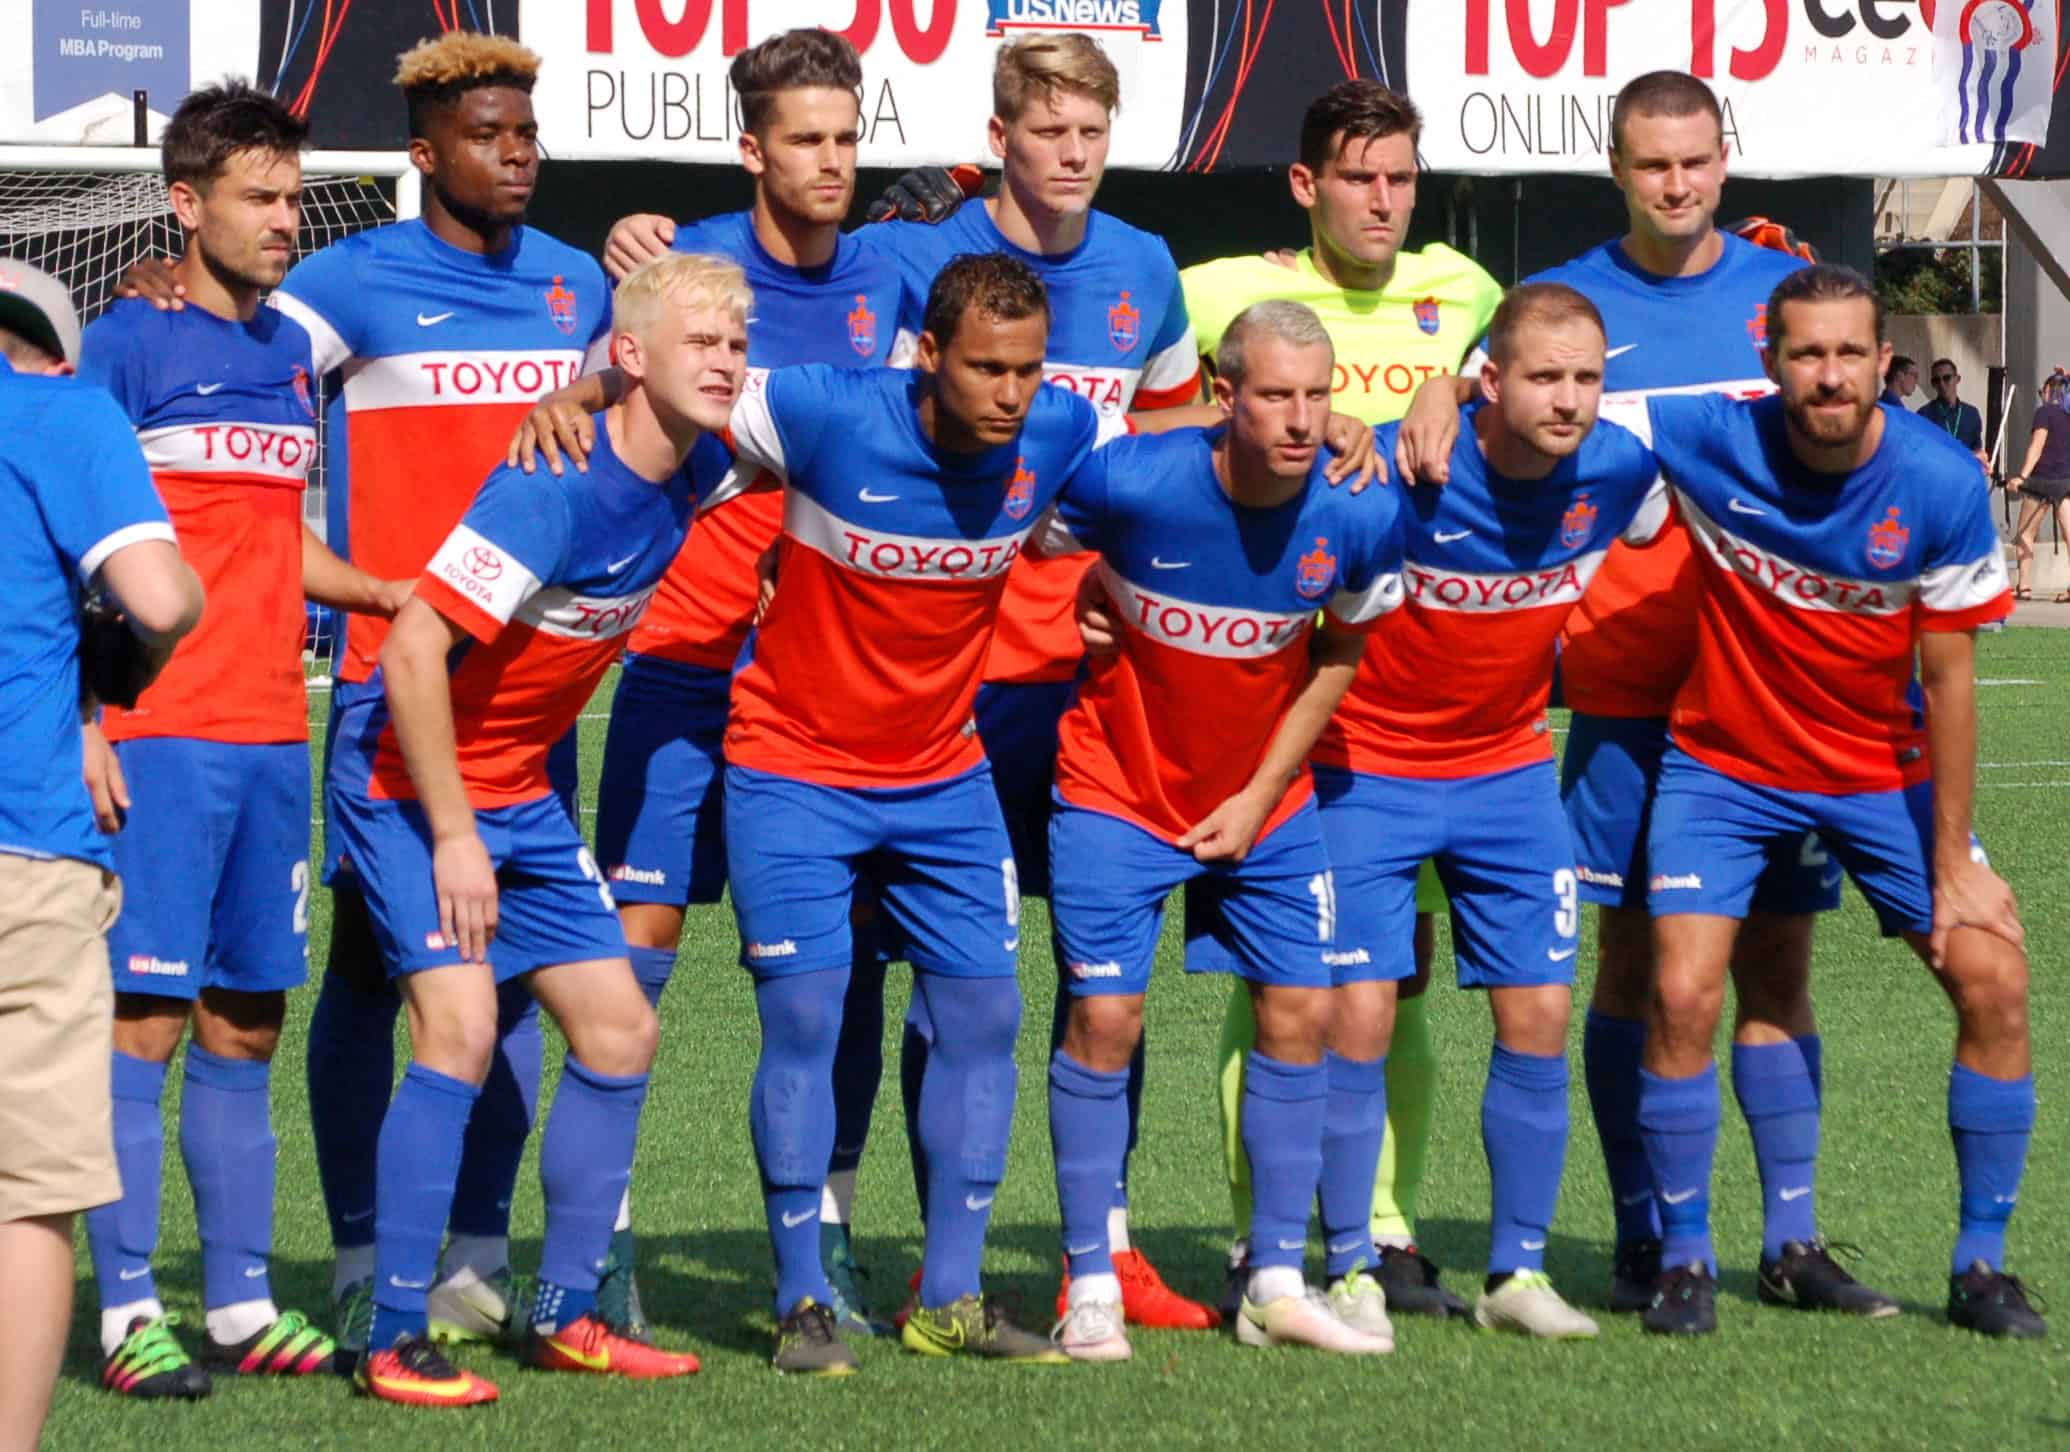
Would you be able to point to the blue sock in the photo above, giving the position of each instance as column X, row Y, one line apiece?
column 1778, row 1095
column 791, row 1118
column 1354, row 1124
column 1088, row 1134
column 1285, row 1107
column 226, row 1139
column 913, row 1046
column 1060, row 1019
column 351, row 1069
column 1991, row 1121
column 966, row 1115
column 585, row 1163
column 858, row 1062
column 1610, row 1053
column 124, row 1234
column 652, row 967
column 1524, row 1134
column 419, row 1157
column 1679, row 1118
column 502, row 1119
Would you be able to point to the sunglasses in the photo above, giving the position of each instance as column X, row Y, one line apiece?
column 1944, row 378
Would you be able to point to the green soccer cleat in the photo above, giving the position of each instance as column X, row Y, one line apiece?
column 352, row 1321
column 468, row 1307
column 851, row 1307
column 289, row 1347
column 151, row 1365
column 618, row 1292
column 977, row 1326
column 808, row 1345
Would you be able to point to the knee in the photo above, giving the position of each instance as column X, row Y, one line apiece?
column 460, row 1045
column 1533, row 1020
column 148, row 1026
column 1103, row 1031
column 1292, row 1023
column 624, row 1042
column 243, row 1026
column 803, row 1013
column 1686, row 1002
column 1362, row 1020
column 1988, row 981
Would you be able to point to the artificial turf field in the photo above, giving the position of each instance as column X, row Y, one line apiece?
column 1769, row 1378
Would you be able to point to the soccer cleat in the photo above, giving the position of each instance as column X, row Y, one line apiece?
column 1234, row 1280
column 415, row 1373
column 1146, row 1300
column 908, row 1306
column 467, row 1306
column 1992, row 1303
column 591, row 1344
column 1410, row 1279
column 352, row 1314
column 977, row 1326
column 1632, row 1274
column 807, row 1343
column 618, row 1300
column 1092, row 1331
column 289, row 1347
column 1358, row 1301
column 844, row 1277
column 1685, row 1303
column 151, row 1365
column 1527, row 1303
column 1304, row 1320
column 1807, row 1277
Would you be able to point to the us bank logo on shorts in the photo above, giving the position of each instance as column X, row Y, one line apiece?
column 1600, row 879
column 156, row 967
column 1083, row 971
column 788, row 948
column 1353, row 958
column 1666, row 882
column 645, row 876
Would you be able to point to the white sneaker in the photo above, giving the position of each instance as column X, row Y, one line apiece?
column 1359, row 1303
column 467, row 1306
column 1527, row 1303
column 1304, row 1320
column 1092, row 1331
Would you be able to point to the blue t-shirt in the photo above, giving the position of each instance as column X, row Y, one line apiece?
column 845, row 313
column 73, row 490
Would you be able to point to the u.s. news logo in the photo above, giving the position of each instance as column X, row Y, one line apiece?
column 1139, row 16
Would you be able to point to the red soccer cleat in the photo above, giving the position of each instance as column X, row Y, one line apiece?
column 912, row 1299
column 414, row 1373
column 591, row 1344
column 1146, row 1300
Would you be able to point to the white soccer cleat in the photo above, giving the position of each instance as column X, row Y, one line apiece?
column 1092, row 1331
column 1304, row 1320
column 467, row 1306
column 1359, row 1303
column 1527, row 1303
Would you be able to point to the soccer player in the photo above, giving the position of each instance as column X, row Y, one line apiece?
column 473, row 871
column 1397, row 317
column 820, row 297
column 1838, row 537
column 1185, row 757
column 1686, row 304
column 215, row 854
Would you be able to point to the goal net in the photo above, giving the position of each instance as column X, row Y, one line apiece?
column 84, row 214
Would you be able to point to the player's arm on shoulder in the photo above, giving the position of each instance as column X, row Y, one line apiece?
column 342, row 585
column 153, row 280
column 1423, row 443
column 562, row 425
column 1966, row 892
column 323, row 293
column 639, row 238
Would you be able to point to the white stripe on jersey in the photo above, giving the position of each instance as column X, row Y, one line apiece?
column 1789, row 583
column 1176, row 365
column 1964, row 586
column 562, row 612
column 327, row 349
column 279, row 453
column 1356, row 607
column 483, row 574
column 895, row 556
column 1440, row 589
column 1227, row 632
column 91, row 562
column 459, row 378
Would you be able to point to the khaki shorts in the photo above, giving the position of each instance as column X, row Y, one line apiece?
column 57, row 1017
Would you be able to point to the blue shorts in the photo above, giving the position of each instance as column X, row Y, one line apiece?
column 1712, row 836
column 214, row 863
column 1502, row 851
column 1017, row 725
column 660, row 822
column 553, row 905
column 1607, row 781
column 933, row 858
column 354, row 734
column 1270, row 916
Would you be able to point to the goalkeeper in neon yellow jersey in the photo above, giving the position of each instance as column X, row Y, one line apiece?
column 1396, row 318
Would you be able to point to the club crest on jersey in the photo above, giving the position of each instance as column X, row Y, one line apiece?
column 1427, row 315
column 302, row 393
column 560, row 306
column 1124, row 324
column 1887, row 541
column 1020, row 491
column 1757, row 326
column 862, row 327
column 1315, row 571
column 1576, row 523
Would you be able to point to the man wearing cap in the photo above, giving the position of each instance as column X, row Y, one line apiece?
column 77, row 514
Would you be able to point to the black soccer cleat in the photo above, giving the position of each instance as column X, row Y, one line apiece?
column 1685, row 1303
column 1805, row 1276
column 1992, row 1303
column 1410, row 1280
column 1632, row 1276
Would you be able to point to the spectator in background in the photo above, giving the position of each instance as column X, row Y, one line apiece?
column 1900, row 380
column 1947, row 412
column 2043, row 482
column 76, row 510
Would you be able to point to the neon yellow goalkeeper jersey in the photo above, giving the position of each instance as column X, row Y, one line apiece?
column 1432, row 312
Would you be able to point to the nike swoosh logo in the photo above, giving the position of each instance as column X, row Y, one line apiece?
column 402, row 1285
column 1532, row 1244
column 205, row 389
column 1293, row 1245
column 1559, row 955
column 431, row 320
column 868, row 498
column 973, row 1204
column 1087, row 1249
column 1447, row 536
column 1737, row 507
column 598, row 1361
column 253, row 1272
column 792, row 1222
column 1339, row 1247
column 1157, row 564
column 133, row 1275
column 1012, row 945
column 1619, row 352
column 1639, row 1199
column 1678, row 1197
column 613, row 569
column 1832, row 882
column 355, row 1219
column 1795, row 1192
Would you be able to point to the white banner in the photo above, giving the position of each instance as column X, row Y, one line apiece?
column 68, row 76
column 1809, row 87
column 646, row 79
column 1994, row 69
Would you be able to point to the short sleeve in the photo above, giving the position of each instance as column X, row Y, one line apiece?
column 596, row 356
column 1369, row 585
column 1077, row 521
column 106, row 500
column 322, row 292
column 774, row 421
column 1639, row 478
column 110, row 358
column 1963, row 581
column 1203, row 288
column 512, row 543
column 1171, row 375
